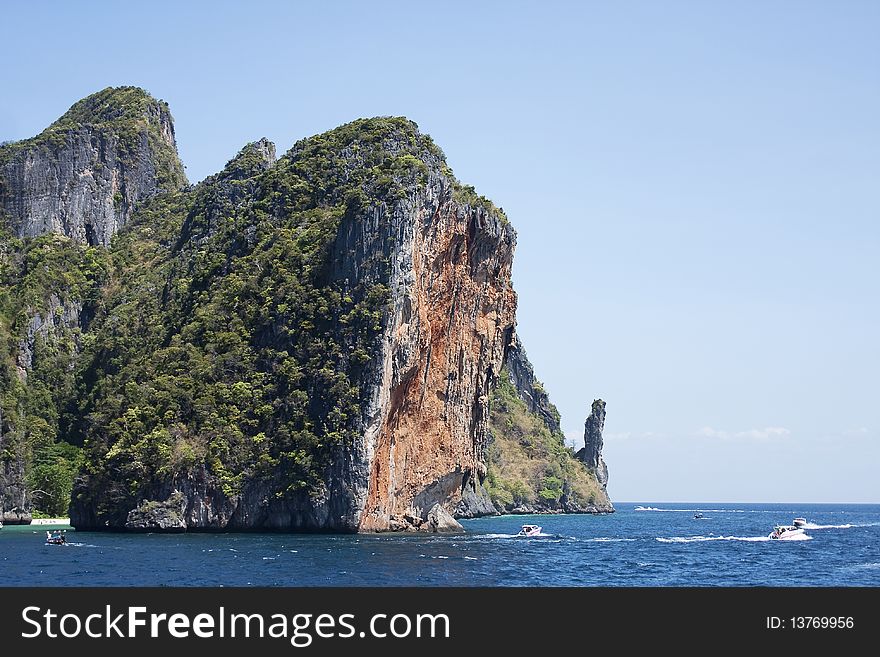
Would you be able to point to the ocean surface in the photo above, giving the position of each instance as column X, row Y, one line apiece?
column 648, row 544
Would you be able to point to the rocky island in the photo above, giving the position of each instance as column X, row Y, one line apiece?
column 322, row 341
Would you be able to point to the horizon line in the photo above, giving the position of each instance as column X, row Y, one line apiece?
column 730, row 502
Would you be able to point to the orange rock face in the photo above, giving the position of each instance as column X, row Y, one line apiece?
column 447, row 346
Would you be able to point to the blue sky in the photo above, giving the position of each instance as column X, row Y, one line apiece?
column 695, row 187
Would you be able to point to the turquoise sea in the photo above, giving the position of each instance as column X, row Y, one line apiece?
column 646, row 544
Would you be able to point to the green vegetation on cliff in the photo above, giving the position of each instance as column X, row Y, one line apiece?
column 41, row 280
column 216, row 338
column 126, row 114
column 530, row 468
column 51, row 287
column 228, row 347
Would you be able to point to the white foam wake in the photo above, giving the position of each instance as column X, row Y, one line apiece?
column 496, row 535
column 654, row 508
column 811, row 525
column 541, row 535
column 747, row 539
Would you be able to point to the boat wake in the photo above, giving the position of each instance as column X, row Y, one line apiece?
column 811, row 525
column 654, row 508
column 539, row 535
column 746, row 539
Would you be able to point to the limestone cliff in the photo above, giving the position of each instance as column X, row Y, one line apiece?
column 63, row 195
column 83, row 176
column 15, row 503
column 42, row 314
column 451, row 316
column 353, row 302
column 529, row 388
column 591, row 453
column 322, row 341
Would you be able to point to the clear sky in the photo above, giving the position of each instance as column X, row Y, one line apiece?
column 696, row 187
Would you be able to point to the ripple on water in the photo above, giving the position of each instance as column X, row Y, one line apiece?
column 626, row 548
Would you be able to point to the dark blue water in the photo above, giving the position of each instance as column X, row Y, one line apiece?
column 728, row 547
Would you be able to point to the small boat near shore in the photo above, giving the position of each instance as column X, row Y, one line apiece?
column 529, row 530
column 56, row 537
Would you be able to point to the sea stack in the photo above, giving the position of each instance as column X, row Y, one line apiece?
column 591, row 454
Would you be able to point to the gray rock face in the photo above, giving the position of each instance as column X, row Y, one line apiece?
column 529, row 389
column 15, row 506
column 85, row 182
column 591, row 454
column 165, row 515
column 55, row 317
column 263, row 152
column 439, row 521
column 475, row 502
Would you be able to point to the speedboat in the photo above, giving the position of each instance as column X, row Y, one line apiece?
column 529, row 530
column 55, row 538
column 799, row 522
column 698, row 516
column 782, row 532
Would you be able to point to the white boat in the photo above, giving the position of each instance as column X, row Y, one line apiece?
column 529, row 530
column 799, row 522
column 783, row 532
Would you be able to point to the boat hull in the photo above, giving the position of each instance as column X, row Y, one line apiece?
column 787, row 534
